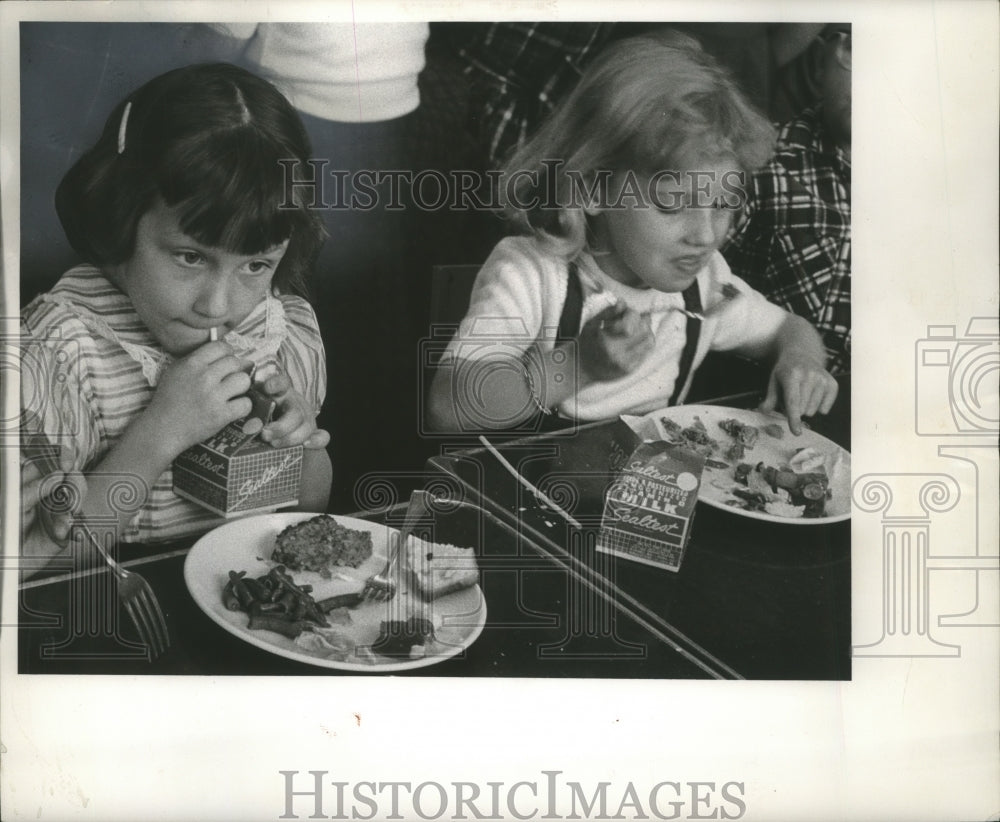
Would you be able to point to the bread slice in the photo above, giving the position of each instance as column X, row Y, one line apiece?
column 438, row 569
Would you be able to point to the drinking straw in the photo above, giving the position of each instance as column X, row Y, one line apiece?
column 538, row 493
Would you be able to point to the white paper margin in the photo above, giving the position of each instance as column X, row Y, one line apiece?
column 909, row 738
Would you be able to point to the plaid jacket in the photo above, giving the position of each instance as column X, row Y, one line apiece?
column 519, row 71
column 792, row 242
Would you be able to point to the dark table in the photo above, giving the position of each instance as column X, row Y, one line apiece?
column 70, row 622
column 768, row 600
column 752, row 599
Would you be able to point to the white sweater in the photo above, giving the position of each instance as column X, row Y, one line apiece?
column 353, row 73
column 518, row 298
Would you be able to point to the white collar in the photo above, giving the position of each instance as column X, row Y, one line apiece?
column 108, row 313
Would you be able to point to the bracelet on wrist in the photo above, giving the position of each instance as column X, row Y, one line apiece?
column 529, row 380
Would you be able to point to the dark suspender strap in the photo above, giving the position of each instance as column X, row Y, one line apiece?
column 570, row 321
column 692, row 302
column 572, row 311
column 572, row 314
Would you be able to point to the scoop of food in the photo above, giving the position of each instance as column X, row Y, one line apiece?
column 277, row 602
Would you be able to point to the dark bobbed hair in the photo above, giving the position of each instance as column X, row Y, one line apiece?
column 207, row 139
column 648, row 103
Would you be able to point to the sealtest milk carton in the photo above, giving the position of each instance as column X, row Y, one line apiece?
column 234, row 473
column 649, row 507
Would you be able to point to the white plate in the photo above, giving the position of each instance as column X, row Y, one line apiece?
column 770, row 451
column 246, row 545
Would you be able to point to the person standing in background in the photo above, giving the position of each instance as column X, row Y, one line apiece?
column 355, row 86
column 519, row 72
column 792, row 241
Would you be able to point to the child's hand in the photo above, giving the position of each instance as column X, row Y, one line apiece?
column 51, row 500
column 614, row 343
column 199, row 395
column 295, row 419
column 802, row 387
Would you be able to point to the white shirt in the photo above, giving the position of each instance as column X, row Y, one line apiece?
column 351, row 73
column 518, row 299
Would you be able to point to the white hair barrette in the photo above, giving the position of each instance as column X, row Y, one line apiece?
column 123, row 126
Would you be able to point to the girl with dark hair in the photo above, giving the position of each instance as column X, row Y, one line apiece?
column 196, row 253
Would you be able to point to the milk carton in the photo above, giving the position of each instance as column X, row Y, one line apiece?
column 649, row 507
column 233, row 474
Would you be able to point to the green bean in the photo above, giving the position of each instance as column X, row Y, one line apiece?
column 275, row 601
column 313, row 613
column 257, row 589
column 286, row 580
column 229, row 599
column 340, row 601
column 288, row 601
column 240, row 588
column 284, row 627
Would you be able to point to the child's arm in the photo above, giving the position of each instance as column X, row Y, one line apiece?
column 196, row 397
column 48, row 504
column 799, row 381
column 502, row 394
column 499, row 394
column 126, row 472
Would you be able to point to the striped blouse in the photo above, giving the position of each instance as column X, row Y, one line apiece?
column 89, row 367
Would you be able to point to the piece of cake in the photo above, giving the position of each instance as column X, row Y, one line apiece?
column 439, row 568
column 319, row 544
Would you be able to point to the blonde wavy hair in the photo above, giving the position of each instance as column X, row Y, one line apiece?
column 646, row 104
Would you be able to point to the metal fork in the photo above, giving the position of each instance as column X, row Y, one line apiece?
column 729, row 293
column 383, row 585
column 134, row 591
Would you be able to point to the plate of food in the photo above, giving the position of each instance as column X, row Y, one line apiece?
column 755, row 465
column 291, row 583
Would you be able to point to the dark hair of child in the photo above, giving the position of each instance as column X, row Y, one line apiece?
column 207, row 139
